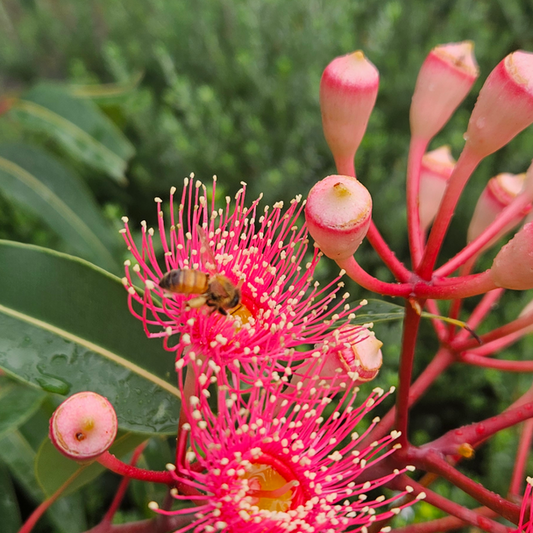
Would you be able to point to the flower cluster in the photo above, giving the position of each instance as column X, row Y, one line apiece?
column 259, row 254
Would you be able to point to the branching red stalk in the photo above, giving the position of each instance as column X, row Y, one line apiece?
column 464, row 344
column 440, row 525
column 467, row 515
column 500, row 364
column 121, row 491
column 431, row 460
column 516, row 210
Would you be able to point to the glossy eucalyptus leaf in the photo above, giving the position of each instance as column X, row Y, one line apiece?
column 53, row 470
column 9, row 509
column 78, row 125
column 17, row 404
column 65, row 327
column 66, row 514
column 51, row 191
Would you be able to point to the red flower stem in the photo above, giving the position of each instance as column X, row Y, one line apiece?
column 400, row 272
column 473, row 434
column 461, row 345
column 480, row 312
column 442, row 360
column 514, row 211
column 346, row 167
column 466, row 164
column 522, row 454
column 439, row 290
column 417, row 148
column 410, row 331
column 449, row 523
column 42, row 508
column 115, row 465
column 500, row 364
column 121, row 492
column 433, row 461
column 467, row 515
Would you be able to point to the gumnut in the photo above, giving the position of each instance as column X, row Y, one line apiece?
column 436, row 168
column 445, row 78
column 84, row 426
column 513, row 266
column 338, row 214
column 504, row 106
column 348, row 91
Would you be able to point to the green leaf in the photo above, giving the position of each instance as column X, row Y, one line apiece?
column 78, row 125
column 378, row 311
column 53, row 470
column 67, row 513
column 65, row 327
column 98, row 91
column 17, row 404
column 9, row 510
column 39, row 182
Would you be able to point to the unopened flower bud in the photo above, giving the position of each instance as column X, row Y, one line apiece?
column 84, row 426
column 437, row 166
column 445, row 78
column 504, row 106
column 338, row 213
column 354, row 353
column 348, row 91
column 497, row 195
column 513, row 266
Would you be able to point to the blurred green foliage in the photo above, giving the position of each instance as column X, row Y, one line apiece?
column 231, row 88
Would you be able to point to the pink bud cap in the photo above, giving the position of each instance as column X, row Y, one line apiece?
column 497, row 195
column 513, row 266
column 504, row 106
column 338, row 213
column 354, row 353
column 437, row 167
column 348, row 92
column 445, row 78
column 84, row 426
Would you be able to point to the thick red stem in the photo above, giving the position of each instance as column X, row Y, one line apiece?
column 410, row 331
column 499, row 364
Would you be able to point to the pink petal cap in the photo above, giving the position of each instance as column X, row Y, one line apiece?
column 504, row 106
column 84, row 426
column 445, row 78
column 338, row 213
column 513, row 266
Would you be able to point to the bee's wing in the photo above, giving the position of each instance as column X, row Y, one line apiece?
column 206, row 252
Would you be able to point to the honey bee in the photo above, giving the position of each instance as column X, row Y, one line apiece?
column 215, row 290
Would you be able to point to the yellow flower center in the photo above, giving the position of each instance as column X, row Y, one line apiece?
column 269, row 489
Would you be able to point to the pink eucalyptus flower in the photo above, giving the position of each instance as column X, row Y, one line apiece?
column 275, row 458
column 260, row 254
